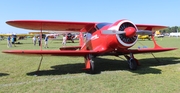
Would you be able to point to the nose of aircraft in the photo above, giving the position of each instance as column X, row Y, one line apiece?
column 130, row 31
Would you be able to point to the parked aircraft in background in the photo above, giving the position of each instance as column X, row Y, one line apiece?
column 158, row 34
column 70, row 36
column 18, row 36
column 101, row 39
column 143, row 37
column 53, row 35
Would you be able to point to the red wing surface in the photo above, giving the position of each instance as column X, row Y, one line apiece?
column 50, row 52
column 147, row 50
column 149, row 27
column 50, row 25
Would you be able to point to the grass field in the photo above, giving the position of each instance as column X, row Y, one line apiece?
column 65, row 74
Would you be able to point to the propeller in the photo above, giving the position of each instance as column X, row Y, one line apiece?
column 129, row 32
column 144, row 32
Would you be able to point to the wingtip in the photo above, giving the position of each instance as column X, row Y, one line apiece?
column 6, row 51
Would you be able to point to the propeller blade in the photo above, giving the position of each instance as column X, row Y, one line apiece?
column 139, row 32
column 144, row 32
column 112, row 32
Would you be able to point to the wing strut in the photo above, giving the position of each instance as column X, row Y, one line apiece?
column 40, row 63
column 41, row 49
column 155, row 57
column 41, row 37
column 155, row 44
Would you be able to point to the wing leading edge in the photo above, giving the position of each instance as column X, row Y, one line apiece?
column 147, row 50
column 150, row 27
column 50, row 25
column 50, row 52
column 83, row 53
column 65, row 25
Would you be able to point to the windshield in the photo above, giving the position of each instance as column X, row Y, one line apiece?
column 100, row 25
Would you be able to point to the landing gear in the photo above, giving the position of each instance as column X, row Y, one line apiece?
column 92, row 66
column 89, row 64
column 133, row 62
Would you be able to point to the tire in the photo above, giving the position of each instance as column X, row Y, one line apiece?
column 132, row 64
column 92, row 68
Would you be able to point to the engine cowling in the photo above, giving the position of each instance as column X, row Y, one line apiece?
column 129, row 38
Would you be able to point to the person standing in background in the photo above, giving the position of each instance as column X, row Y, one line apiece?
column 46, row 42
column 13, row 40
column 9, row 42
column 39, row 41
column 64, row 40
column 34, row 40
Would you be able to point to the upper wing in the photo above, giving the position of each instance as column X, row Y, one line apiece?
column 51, row 25
column 150, row 27
column 51, row 52
column 66, row 26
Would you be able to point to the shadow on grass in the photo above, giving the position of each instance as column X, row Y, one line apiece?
column 60, row 70
column 102, row 64
column 3, row 74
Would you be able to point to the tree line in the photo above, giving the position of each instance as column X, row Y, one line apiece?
column 170, row 29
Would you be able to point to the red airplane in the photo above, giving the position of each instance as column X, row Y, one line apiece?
column 101, row 39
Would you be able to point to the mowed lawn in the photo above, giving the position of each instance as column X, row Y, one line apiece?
column 64, row 74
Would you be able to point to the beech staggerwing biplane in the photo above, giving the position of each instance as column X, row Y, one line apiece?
column 101, row 39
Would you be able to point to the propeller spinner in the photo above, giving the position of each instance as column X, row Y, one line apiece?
column 130, row 31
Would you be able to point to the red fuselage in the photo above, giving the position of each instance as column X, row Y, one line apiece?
column 107, row 43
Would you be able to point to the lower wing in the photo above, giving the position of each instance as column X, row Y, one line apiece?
column 140, row 51
column 50, row 52
column 70, row 48
column 147, row 50
column 84, row 52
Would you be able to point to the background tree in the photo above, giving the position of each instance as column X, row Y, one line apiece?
column 170, row 29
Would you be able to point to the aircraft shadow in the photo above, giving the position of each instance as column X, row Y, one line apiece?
column 102, row 64
column 3, row 74
column 60, row 70
column 144, row 68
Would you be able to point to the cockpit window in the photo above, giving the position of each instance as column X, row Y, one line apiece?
column 100, row 25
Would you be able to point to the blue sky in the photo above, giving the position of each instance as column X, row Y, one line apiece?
column 161, row 12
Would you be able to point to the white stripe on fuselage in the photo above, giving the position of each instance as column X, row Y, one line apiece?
column 94, row 37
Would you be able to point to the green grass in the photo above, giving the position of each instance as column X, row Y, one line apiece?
column 64, row 74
